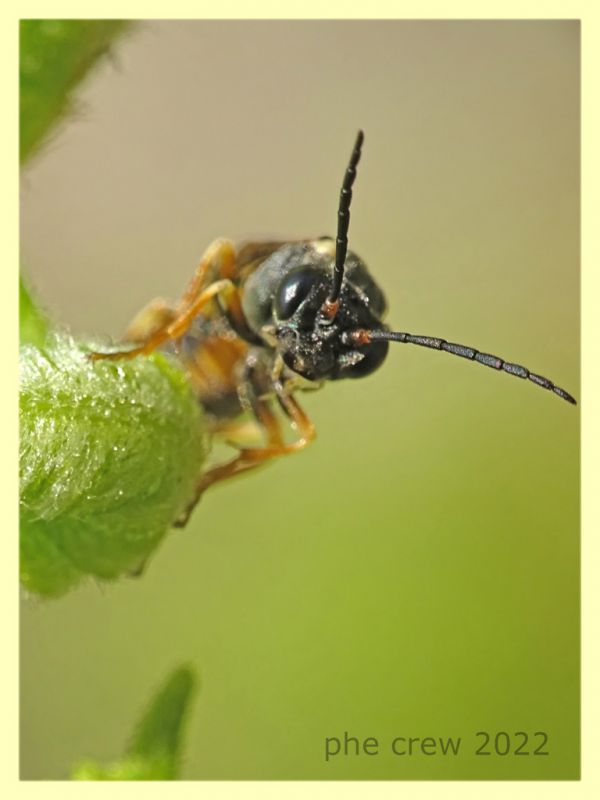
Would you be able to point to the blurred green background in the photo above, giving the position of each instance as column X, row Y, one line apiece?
column 416, row 571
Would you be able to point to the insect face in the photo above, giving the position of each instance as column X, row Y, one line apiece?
column 315, row 346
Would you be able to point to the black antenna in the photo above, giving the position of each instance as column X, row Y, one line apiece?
column 341, row 241
column 362, row 337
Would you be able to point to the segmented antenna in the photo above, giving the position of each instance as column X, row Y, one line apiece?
column 341, row 241
column 362, row 337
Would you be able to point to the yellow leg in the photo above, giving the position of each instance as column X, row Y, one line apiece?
column 157, row 314
column 252, row 457
column 218, row 261
column 158, row 322
column 176, row 327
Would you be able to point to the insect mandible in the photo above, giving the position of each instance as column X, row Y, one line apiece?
column 260, row 323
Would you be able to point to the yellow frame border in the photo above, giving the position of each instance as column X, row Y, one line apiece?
column 309, row 9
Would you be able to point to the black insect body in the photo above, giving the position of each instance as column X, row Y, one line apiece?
column 258, row 324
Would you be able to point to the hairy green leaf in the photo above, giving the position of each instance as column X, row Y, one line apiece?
column 109, row 456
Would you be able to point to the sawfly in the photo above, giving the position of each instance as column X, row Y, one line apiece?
column 260, row 323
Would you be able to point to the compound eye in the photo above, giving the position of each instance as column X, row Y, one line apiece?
column 374, row 356
column 293, row 289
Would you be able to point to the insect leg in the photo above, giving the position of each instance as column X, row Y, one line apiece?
column 177, row 326
column 298, row 417
column 218, row 261
column 252, row 457
column 241, row 463
column 157, row 314
column 158, row 322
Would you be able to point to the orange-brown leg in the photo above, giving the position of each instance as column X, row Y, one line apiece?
column 176, row 328
column 157, row 314
column 252, row 457
column 218, row 260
